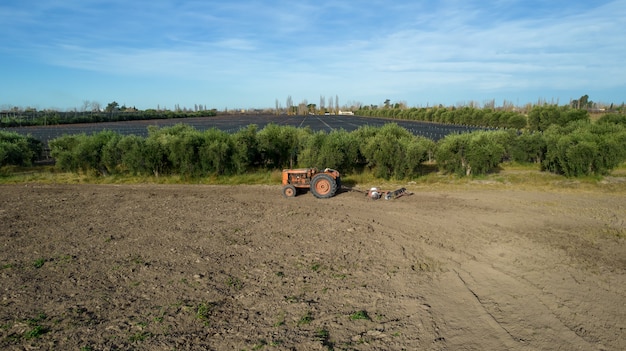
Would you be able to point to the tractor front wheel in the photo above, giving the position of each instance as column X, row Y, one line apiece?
column 323, row 186
column 289, row 191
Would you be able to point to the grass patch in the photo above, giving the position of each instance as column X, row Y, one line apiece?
column 280, row 321
column 138, row 260
column 35, row 332
column 36, row 328
column 203, row 311
column 50, row 175
column 38, row 263
column 139, row 336
column 306, row 319
column 358, row 315
column 234, row 283
column 509, row 174
column 323, row 335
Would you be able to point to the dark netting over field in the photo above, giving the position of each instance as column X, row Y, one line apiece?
column 233, row 123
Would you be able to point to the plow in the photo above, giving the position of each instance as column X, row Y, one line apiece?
column 326, row 183
column 376, row 193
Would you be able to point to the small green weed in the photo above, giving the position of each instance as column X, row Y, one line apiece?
column 323, row 336
column 139, row 336
column 360, row 315
column 306, row 319
column 203, row 311
column 34, row 321
column 37, row 329
column 138, row 260
column 281, row 320
column 38, row 263
column 235, row 283
column 66, row 258
column 35, row 332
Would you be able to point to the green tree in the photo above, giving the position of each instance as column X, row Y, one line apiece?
column 473, row 153
column 612, row 118
column 18, row 150
column 112, row 107
column 63, row 150
column 392, row 152
column 582, row 148
column 528, row 147
column 541, row 118
column 134, row 155
column 217, row 153
column 89, row 151
column 278, row 145
column 247, row 154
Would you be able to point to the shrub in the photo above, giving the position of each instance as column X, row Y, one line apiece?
column 391, row 151
column 337, row 149
column 581, row 148
column 217, row 153
column 528, row 147
column 613, row 118
column 64, row 149
column 473, row 153
column 90, row 150
column 541, row 118
column 133, row 155
column 247, row 152
column 18, row 150
column 278, row 145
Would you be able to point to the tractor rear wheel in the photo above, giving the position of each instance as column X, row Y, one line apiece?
column 289, row 191
column 323, row 186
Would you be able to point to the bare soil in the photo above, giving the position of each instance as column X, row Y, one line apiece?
column 196, row 267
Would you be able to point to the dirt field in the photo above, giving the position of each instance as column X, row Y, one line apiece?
column 170, row 267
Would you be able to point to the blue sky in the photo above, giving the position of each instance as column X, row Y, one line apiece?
column 248, row 54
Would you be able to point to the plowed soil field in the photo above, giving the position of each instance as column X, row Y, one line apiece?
column 197, row 267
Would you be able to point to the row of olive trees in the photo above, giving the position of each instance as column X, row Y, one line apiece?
column 50, row 117
column 390, row 151
column 540, row 117
column 18, row 150
column 579, row 148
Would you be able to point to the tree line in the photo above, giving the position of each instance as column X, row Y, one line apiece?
column 559, row 140
column 112, row 113
column 575, row 149
column 537, row 119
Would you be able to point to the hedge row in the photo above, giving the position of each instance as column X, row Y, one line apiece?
column 391, row 151
column 43, row 118
column 579, row 148
column 18, row 150
column 539, row 117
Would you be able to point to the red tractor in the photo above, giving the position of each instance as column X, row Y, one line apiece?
column 323, row 184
